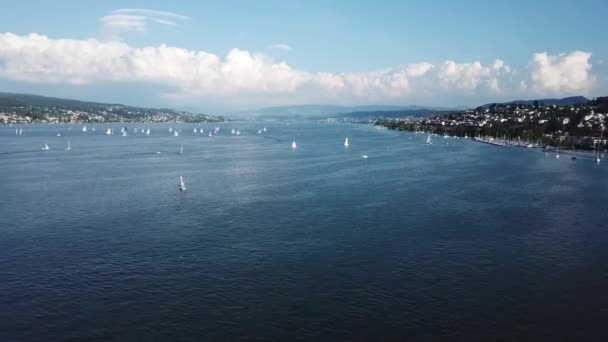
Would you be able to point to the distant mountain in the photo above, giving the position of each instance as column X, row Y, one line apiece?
column 389, row 114
column 316, row 111
column 35, row 108
column 566, row 101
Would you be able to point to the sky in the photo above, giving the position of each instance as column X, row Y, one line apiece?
column 235, row 55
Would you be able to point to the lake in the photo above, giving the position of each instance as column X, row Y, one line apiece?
column 457, row 239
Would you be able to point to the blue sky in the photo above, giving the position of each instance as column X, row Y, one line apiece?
column 344, row 52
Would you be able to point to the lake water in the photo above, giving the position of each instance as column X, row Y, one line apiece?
column 455, row 240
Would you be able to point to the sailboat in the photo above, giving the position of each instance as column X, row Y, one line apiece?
column 58, row 133
column 195, row 131
column 346, row 142
column 259, row 131
column 182, row 184
column 170, row 129
column 210, row 134
column 124, row 131
column 69, row 147
column 45, row 147
column 181, row 149
column 109, row 131
column 238, row 132
column 264, row 129
column 16, row 131
column 293, row 145
column 428, row 140
column 148, row 132
column 175, row 133
column 597, row 156
column 200, row 130
column 84, row 128
column 20, row 131
column 233, row 132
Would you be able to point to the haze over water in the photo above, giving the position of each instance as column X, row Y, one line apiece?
column 460, row 240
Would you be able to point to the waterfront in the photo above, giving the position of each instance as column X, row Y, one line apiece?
column 460, row 240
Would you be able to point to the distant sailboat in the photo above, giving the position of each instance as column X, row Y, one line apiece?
column 200, row 130
column 364, row 156
column 58, row 133
column 293, row 145
column 109, row 131
column 346, row 142
column 16, row 131
column 428, row 140
column 182, row 184
column 264, row 129
column 148, row 132
column 195, row 130
column 238, row 132
column 125, row 131
column 170, row 129
column 181, row 149
column 45, row 147
column 175, row 133
column 210, row 134
column 597, row 156
column 21, row 131
column 84, row 128
column 233, row 132
column 69, row 147
column 259, row 131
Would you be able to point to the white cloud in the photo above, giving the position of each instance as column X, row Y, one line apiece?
column 137, row 20
column 280, row 46
column 561, row 74
column 248, row 76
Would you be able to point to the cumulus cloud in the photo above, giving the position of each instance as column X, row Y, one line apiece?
column 561, row 74
column 137, row 20
column 280, row 46
column 246, row 75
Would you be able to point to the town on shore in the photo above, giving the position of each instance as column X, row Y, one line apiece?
column 29, row 109
column 535, row 124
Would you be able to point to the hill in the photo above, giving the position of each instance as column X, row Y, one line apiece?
column 24, row 108
column 566, row 101
column 318, row 111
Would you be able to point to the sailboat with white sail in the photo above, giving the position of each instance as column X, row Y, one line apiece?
column 46, row 147
column 182, row 183
column 148, row 131
column 181, row 149
column 109, row 131
column 175, row 133
column 346, row 142
column 84, row 128
column 20, row 131
column 238, row 132
column 293, row 145
column 233, row 131
column 428, row 140
column 59, row 133
column 69, row 147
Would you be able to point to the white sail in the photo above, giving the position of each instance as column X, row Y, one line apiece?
column 182, row 184
column 84, row 128
column 264, row 129
column 148, row 132
column 259, row 131
column 20, row 131
column 170, row 129
column 428, row 140
column 210, row 134
column 109, row 131
column 195, row 131
column 69, row 147
column 200, row 130
column 175, row 133
column 58, row 133
column 45, row 147
column 233, row 132
column 16, row 131
column 293, row 145
column 346, row 142
column 181, row 148
column 238, row 132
